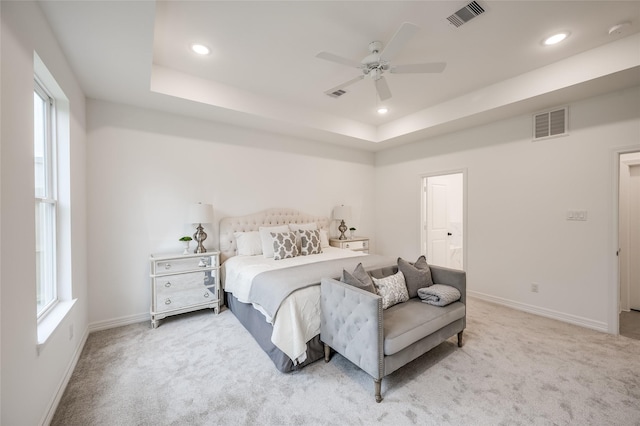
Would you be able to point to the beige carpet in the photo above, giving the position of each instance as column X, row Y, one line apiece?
column 202, row 369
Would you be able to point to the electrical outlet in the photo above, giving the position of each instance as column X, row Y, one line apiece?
column 70, row 331
column 534, row 287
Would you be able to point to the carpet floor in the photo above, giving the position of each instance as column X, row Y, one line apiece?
column 203, row 369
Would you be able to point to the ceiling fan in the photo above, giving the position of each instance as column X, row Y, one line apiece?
column 379, row 60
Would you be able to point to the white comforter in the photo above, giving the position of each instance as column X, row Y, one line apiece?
column 298, row 319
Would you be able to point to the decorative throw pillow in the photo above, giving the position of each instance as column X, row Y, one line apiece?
column 284, row 245
column 295, row 227
column 310, row 242
column 248, row 243
column 360, row 278
column 417, row 275
column 392, row 289
column 265, row 236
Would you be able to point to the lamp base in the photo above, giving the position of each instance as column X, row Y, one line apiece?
column 199, row 237
column 342, row 228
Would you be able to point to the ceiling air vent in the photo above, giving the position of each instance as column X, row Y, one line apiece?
column 466, row 14
column 550, row 124
column 336, row 93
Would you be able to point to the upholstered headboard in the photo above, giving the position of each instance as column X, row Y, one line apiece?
column 252, row 222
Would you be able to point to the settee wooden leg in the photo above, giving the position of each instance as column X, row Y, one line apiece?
column 460, row 339
column 378, row 387
column 327, row 352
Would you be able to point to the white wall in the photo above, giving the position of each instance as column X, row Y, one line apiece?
column 31, row 382
column 145, row 168
column 518, row 194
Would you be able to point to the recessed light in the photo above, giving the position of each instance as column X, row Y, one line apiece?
column 382, row 110
column 556, row 38
column 200, row 49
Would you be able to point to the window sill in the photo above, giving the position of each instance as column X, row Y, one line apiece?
column 51, row 322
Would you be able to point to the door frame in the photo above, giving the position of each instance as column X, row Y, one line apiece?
column 614, row 288
column 423, row 210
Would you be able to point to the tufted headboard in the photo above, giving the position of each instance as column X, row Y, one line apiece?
column 252, row 222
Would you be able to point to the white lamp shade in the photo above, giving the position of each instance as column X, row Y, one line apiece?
column 342, row 213
column 200, row 213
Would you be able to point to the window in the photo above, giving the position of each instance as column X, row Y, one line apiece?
column 44, row 148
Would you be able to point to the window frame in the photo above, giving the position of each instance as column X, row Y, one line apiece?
column 47, row 200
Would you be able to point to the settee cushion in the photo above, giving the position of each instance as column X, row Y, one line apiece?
column 360, row 278
column 406, row 323
column 392, row 289
column 417, row 275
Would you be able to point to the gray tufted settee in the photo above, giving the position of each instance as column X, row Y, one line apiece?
column 381, row 341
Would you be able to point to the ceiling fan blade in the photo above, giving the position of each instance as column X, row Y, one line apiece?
column 382, row 88
column 432, row 67
column 399, row 39
column 343, row 85
column 338, row 59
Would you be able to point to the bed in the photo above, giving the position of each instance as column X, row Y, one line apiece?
column 275, row 297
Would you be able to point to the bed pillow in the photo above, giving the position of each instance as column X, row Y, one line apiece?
column 284, row 245
column 417, row 275
column 324, row 238
column 248, row 243
column 360, row 278
column 392, row 289
column 267, row 241
column 295, row 227
column 310, row 242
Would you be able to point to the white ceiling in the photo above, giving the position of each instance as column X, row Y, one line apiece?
column 263, row 73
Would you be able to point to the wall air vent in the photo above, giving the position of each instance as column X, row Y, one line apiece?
column 336, row 93
column 550, row 124
column 466, row 14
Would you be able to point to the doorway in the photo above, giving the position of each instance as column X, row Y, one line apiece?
column 629, row 244
column 443, row 219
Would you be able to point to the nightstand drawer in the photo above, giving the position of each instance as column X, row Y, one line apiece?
column 180, row 299
column 172, row 283
column 356, row 245
column 170, row 266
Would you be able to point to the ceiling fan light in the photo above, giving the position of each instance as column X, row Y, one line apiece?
column 555, row 39
column 200, row 49
column 383, row 110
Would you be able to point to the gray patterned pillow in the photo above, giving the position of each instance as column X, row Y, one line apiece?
column 310, row 242
column 284, row 245
column 392, row 289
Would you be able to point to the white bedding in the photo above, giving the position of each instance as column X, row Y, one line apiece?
column 298, row 319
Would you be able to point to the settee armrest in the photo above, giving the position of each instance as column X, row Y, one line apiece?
column 453, row 277
column 352, row 325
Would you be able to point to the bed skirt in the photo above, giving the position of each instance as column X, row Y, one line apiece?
column 261, row 331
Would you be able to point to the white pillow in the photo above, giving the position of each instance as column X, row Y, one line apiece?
column 265, row 237
column 249, row 243
column 324, row 238
column 295, row 227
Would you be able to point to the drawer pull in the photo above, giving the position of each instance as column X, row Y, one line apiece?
column 206, row 294
column 167, row 302
column 347, row 246
column 167, row 284
column 167, row 266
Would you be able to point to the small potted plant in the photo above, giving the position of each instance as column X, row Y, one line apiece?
column 352, row 231
column 185, row 241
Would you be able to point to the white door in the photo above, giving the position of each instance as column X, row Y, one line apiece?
column 634, row 237
column 437, row 224
column 443, row 220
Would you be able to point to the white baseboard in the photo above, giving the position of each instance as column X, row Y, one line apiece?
column 543, row 312
column 53, row 405
column 118, row 322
